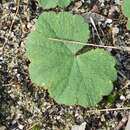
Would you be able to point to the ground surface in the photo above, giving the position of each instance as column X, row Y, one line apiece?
column 24, row 105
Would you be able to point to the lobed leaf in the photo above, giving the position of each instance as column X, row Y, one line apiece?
column 126, row 6
column 71, row 79
column 47, row 4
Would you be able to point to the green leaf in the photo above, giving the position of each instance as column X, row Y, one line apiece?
column 126, row 6
column 47, row 4
column 70, row 78
column 112, row 98
column 36, row 127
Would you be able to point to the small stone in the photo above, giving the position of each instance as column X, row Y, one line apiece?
column 78, row 4
column 118, row 105
column 118, row 2
column 2, row 128
column 58, row 117
column 20, row 127
column 122, row 98
column 115, row 30
column 108, row 21
column 79, row 127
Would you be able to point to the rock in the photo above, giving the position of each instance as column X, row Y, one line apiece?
column 2, row 128
column 79, row 127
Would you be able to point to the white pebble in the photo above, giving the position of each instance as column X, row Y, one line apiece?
column 115, row 30
column 108, row 21
column 122, row 98
column 21, row 127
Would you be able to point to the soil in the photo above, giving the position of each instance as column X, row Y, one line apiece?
column 25, row 106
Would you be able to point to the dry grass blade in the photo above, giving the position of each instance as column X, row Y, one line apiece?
column 107, row 110
column 92, row 45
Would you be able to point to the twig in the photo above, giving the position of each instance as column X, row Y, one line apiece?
column 96, row 17
column 121, row 74
column 121, row 123
column 92, row 22
column 35, row 124
column 128, row 123
column 127, row 84
column 127, row 80
column 92, row 45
